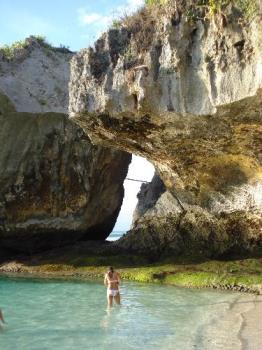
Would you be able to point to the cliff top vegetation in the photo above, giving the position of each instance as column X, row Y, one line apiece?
column 147, row 21
column 9, row 51
column 205, row 9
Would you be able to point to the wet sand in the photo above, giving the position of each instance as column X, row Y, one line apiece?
column 238, row 326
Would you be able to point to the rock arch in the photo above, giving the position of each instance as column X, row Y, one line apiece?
column 206, row 148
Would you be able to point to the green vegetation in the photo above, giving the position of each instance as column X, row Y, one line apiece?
column 156, row 2
column 234, row 170
column 42, row 102
column 116, row 24
column 144, row 24
column 203, row 9
column 238, row 274
column 41, row 40
column 9, row 51
column 6, row 105
column 246, row 7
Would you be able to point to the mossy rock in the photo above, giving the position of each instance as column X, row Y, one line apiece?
column 234, row 170
column 6, row 105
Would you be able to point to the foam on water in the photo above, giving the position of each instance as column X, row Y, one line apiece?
column 47, row 315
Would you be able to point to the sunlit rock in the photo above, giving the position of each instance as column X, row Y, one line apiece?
column 186, row 95
column 55, row 186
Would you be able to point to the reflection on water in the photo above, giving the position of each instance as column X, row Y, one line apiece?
column 74, row 315
column 105, row 322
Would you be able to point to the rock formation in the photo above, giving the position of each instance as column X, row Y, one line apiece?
column 35, row 77
column 55, row 186
column 185, row 92
column 148, row 199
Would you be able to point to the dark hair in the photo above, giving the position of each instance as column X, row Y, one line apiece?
column 111, row 269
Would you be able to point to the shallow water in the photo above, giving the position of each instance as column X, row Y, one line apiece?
column 115, row 235
column 47, row 315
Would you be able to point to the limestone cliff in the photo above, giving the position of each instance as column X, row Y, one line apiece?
column 55, row 186
column 184, row 91
column 148, row 196
column 35, row 76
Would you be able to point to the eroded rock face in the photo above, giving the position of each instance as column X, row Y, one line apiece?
column 195, row 232
column 162, row 228
column 148, row 196
column 55, row 186
column 191, row 103
column 36, row 78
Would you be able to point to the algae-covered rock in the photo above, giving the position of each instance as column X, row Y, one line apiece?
column 195, row 233
column 163, row 227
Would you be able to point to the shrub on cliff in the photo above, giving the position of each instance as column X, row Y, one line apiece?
column 9, row 52
column 203, row 9
column 156, row 2
column 143, row 24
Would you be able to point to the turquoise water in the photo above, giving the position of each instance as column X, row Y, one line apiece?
column 47, row 315
column 115, row 235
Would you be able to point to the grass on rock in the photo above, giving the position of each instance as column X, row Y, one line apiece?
column 240, row 274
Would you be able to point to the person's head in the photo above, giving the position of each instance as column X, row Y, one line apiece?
column 110, row 269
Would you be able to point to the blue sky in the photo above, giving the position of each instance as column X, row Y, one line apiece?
column 139, row 169
column 73, row 23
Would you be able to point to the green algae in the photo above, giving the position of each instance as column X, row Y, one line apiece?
column 211, row 279
column 234, row 170
column 240, row 274
column 6, row 105
column 215, row 274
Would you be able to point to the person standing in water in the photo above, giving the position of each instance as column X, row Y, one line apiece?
column 112, row 281
column 1, row 317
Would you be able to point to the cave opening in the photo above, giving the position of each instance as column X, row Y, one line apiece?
column 140, row 171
